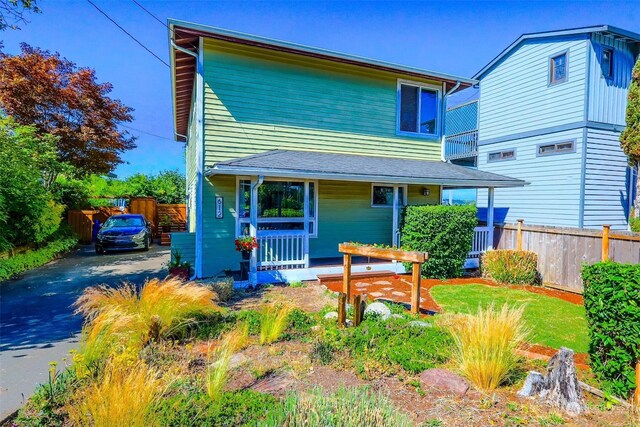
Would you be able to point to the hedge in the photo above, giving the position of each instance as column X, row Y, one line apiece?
column 445, row 232
column 11, row 267
column 512, row 267
column 612, row 302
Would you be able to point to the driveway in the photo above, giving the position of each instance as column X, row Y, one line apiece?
column 37, row 324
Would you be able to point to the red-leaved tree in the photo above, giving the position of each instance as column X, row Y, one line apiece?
column 61, row 99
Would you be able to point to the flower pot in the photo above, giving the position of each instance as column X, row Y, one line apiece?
column 244, row 265
column 166, row 228
column 181, row 272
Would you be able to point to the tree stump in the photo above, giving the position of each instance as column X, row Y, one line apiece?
column 560, row 387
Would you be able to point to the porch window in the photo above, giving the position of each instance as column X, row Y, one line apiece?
column 382, row 195
column 280, row 206
column 558, row 69
column 418, row 109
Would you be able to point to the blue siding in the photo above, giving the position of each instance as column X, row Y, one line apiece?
column 553, row 196
column 606, row 181
column 462, row 118
column 515, row 96
column 608, row 96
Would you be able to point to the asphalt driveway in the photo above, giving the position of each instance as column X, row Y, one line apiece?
column 37, row 324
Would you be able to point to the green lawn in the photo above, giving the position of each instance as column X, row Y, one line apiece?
column 553, row 322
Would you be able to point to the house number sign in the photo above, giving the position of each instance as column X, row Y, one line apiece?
column 219, row 207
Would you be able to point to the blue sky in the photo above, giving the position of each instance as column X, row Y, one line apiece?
column 452, row 37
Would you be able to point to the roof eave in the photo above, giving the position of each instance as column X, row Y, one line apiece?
column 285, row 173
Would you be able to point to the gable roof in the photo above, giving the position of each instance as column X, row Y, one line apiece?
column 349, row 167
column 185, row 35
column 617, row 33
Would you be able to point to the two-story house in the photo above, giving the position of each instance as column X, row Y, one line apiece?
column 303, row 148
column 551, row 109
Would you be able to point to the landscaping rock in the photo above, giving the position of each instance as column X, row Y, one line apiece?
column 444, row 381
column 348, row 323
column 378, row 309
column 420, row 324
column 396, row 316
column 332, row 315
column 532, row 385
column 236, row 360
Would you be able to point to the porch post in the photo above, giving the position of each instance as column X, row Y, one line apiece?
column 306, row 224
column 490, row 217
column 394, row 235
column 253, row 228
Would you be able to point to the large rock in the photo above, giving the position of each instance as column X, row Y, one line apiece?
column 378, row 309
column 444, row 381
column 332, row 315
column 532, row 385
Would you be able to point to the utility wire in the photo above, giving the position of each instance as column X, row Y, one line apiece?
column 128, row 33
column 147, row 133
column 151, row 14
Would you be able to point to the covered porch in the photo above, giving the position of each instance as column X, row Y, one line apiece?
column 300, row 205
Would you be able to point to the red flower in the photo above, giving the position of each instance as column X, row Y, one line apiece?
column 246, row 244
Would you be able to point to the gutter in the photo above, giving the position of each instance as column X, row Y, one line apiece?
column 444, row 117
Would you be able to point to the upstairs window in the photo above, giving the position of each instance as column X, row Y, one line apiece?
column 498, row 156
column 418, row 109
column 557, row 148
column 558, row 68
column 607, row 63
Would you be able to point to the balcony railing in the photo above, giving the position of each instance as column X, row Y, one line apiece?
column 461, row 145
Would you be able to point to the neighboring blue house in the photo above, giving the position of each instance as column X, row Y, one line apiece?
column 551, row 109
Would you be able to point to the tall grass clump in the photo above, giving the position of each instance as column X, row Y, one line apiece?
column 348, row 407
column 485, row 344
column 124, row 397
column 218, row 371
column 511, row 267
column 273, row 322
column 128, row 318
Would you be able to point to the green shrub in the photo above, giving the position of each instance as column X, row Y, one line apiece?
column 634, row 222
column 612, row 301
column 445, row 232
column 284, row 213
column 348, row 407
column 512, row 267
column 239, row 408
column 390, row 344
column 10, row 267
column 223, row 288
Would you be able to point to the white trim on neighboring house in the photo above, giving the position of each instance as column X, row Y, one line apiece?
column 439, row 116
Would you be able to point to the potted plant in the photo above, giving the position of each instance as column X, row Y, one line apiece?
column 178, row 267
column 165, row 223
column 245, row 245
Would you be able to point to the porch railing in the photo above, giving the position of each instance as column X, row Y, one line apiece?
column 461, row 145
column 482, row 241
column 281, row 250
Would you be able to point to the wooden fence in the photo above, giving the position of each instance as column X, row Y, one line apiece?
column 563, row 251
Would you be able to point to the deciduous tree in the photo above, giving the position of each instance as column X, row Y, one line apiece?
column 12, row 12
column 51, row 92
column 630, row 138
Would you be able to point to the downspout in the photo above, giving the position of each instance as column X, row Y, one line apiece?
column 199, row 158
column 253, row 230
column 444, row 117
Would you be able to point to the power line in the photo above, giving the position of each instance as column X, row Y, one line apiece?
column 128, row 33
column 150, row 14
column 148, row 133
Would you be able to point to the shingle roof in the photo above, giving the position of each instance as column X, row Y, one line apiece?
column 348, row 167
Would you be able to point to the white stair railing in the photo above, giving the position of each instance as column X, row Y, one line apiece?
column 281, row 250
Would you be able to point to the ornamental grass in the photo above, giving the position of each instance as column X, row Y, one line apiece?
column 486, row 343
column 273, row 321
column 218, row 372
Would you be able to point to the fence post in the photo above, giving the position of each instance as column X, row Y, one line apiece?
column 346, row 275
column 519, row 241
column 415, row 289
column 605, row 242
column 342, row 309
column 357, row 312
column 636, row 395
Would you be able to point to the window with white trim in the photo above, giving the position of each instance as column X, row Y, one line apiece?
column 498, row 156
column 382, row 195
column 556, row 148
column 418, row 109
column 558, row 68
column 280, row 206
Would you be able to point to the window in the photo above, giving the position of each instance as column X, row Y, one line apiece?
column 498, row 156
column 607, row 63
column 418, row 109
column 557, row 148
column 558, row 68
column 280, row 206
column 382, row 195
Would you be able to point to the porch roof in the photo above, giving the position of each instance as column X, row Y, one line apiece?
column 349, row 167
